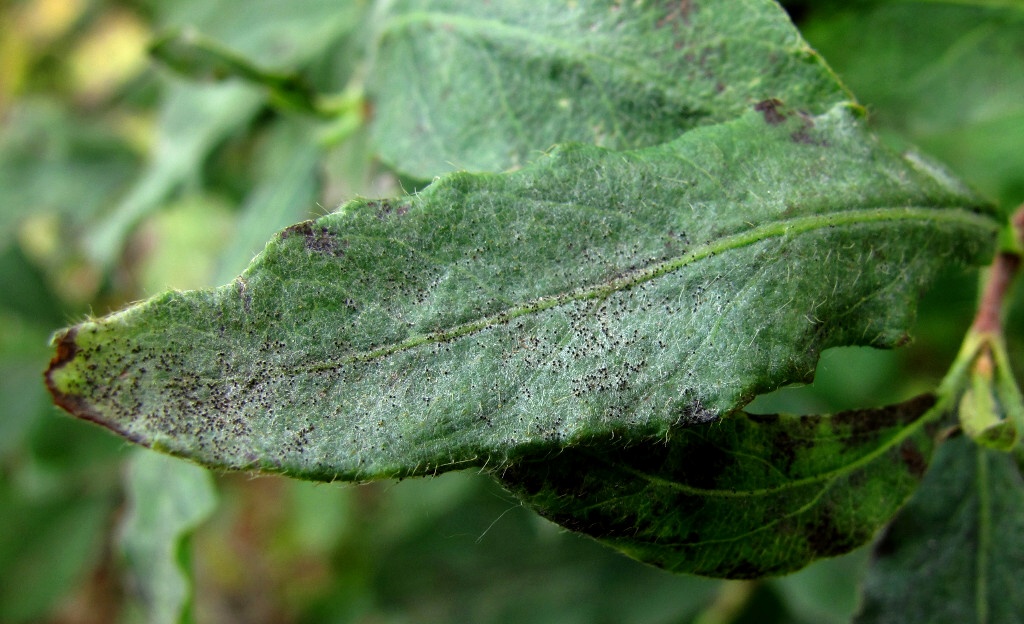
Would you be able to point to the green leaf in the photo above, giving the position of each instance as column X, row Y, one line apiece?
column 199, row 57
column 168, row 499
column 281, row 36
column 25, row 403
column 954, row 554
column 953, row 81
column 595, row 293
column 743, row 497
column 827, row 591
column 484, row 86
column 195, row 118
column 53, row 161
column 184, row 241
column 47, row 545
column 287, row 191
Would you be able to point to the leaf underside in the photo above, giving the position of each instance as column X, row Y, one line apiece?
column 743, row 497
column 596, row 293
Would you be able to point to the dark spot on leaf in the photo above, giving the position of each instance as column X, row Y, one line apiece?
column 770, row 109
column 826, row 539
column 785, row 449
column 386, row 208
column 76, row 405
column 913, row 459
column 803, row 137
column 803, row 134
column 692, row 412
column 304, row 228
column 869, row 421
column 317, row 239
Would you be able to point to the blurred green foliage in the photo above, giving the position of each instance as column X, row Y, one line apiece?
column 121, row 179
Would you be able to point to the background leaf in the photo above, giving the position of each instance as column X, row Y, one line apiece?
column 947, row 76
column 742, row 497
column 465, row 85
column 57, row 479
column 955, row 552
column 48, row 543
column 287, row 189
column 52, row 162
column 168, row 499
column 633, row 291
column 196, row 118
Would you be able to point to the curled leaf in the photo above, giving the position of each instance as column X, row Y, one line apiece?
column 595, row 293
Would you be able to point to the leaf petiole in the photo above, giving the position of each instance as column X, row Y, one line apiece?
column 991, row 404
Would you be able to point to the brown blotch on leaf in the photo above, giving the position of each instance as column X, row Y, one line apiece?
column 870, row 421
column 385, row 208
column 827, row 539
column 317, row 239
column 770, row 109
column 67, row 349
column 76, row 405
column 803, row 134
column 913, row 459
column 243, row 293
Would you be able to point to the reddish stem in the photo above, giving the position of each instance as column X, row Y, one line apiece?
column 1000, row 277
column 989, row 317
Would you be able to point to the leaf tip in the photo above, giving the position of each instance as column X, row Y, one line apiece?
column 66, row 350
column 62, row 380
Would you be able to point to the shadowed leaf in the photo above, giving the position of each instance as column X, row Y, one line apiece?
column 954, row 554
column 743, row 497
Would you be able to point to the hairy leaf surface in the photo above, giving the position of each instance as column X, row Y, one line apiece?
column 954, row 554
column 742, row 497
column 596, row 293
column 484, row 86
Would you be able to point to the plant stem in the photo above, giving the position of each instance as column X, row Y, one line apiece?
column 983, row 356
column 1004, row 269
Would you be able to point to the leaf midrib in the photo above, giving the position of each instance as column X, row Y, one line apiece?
column 826, row 477
column 631, row 279
column 787, row 227
column 807, row 506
